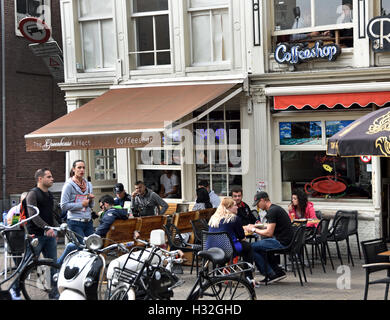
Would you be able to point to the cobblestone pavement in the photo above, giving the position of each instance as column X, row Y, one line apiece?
column 343, row 283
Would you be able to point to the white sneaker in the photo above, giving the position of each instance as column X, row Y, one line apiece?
column 14, row 295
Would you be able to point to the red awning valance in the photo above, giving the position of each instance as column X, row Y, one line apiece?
column 330, row 100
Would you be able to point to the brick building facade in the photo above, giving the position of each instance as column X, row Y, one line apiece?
column 33, row 99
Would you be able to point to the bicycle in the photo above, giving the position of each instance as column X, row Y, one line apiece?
column 146, row 278
column 35, row 274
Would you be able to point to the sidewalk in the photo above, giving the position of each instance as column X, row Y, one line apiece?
column 343, row 283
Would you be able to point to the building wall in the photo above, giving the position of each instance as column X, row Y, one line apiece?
column 33, row 99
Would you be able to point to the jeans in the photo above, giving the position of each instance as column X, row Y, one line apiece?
column 259, row 251
column 83, row 229
column 68, row 249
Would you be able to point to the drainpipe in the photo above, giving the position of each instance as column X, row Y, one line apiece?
column 4, row 140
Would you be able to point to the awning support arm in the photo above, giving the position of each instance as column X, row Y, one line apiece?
column 206, row 112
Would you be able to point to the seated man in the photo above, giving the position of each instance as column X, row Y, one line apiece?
column 169, row 185
column 122, row 197
column 244, row 212
column 108, row 216
column 279, row 233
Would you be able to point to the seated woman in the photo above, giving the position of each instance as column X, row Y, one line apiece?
column 301, row 208
column 202, row 200
column 225, row 219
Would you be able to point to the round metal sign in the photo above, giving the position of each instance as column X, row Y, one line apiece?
column 365, row 159
column 34, row 30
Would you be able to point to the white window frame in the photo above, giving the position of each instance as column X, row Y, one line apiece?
column 175, row 167
column 97, row 19
column 46, row 17
column 313, row 28
column 210, row 10
column 107, row 171
column 133, row 27
column 225, row 147
column 299, row 116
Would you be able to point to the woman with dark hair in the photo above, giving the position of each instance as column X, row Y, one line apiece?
column 202, row 200
column 301, row 208
column 77, row 200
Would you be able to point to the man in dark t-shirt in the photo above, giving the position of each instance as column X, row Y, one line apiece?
column 277, row 235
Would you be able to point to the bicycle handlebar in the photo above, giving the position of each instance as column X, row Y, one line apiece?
column 4, row 227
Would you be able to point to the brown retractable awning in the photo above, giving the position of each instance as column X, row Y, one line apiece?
column 123, row 118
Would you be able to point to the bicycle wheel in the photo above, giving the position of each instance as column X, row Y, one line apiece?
column 36, row 280
column 225, row 288
column 122, row 293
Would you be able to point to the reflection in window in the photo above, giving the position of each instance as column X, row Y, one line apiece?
column 323, row 176
column 332, row 127
column 300, row 133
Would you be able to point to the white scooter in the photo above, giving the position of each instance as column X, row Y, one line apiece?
column 81, row 273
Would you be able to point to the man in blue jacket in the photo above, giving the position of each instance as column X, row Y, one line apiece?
column 109, row 215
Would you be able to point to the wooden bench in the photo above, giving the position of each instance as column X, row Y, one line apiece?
column 122, row 231
column 172, row 207
column 206, row 213
column 150, row 223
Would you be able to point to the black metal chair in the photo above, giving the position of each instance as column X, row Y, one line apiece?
column 198, row 226
column 177, row 242
column 352, row 226
column 339, row 232
column 374, row 263
column 319, row 241
column 220, row 239
column 295, row 252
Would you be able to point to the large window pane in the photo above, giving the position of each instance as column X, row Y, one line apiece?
column 91, row 45
column 220, row 35
column 333, row 12
column 149, row 5
column 108, row 43
column 93, row 8
column 324, row 176
column 292, row 14
column 145, row 34
column 201, row 38
column 300, row 133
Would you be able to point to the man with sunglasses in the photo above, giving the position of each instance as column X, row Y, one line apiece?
column 110, row 213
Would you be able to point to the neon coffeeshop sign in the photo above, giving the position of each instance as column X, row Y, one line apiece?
column 296, row 53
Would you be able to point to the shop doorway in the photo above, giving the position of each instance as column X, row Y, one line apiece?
column 385, row 197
